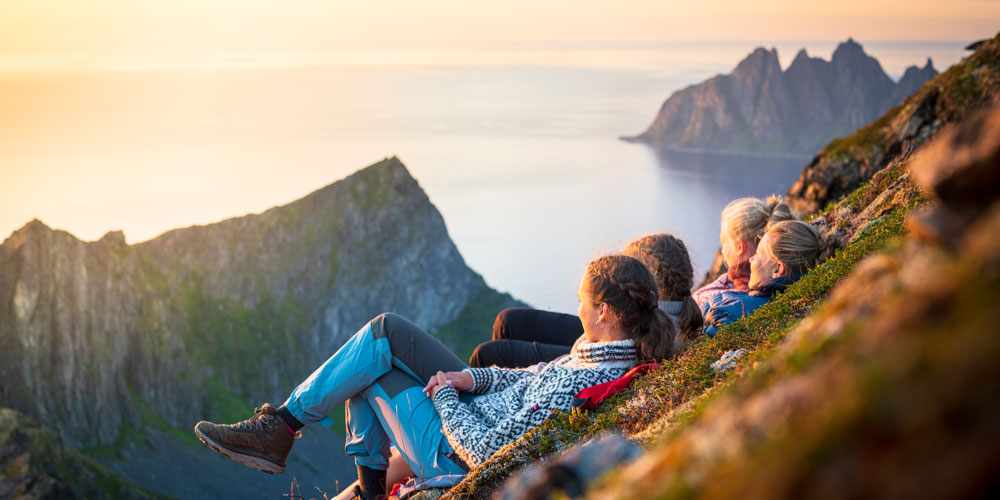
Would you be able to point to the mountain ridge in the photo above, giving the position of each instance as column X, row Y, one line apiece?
column 760, row 108
column 206, row 321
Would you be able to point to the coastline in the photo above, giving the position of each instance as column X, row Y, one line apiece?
column 706, row 151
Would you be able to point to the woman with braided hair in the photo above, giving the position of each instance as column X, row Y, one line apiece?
column 524, row 336
column 402, row 387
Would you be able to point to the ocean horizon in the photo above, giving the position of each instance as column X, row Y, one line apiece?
column 517, row 148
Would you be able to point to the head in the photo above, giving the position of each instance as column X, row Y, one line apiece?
column 618, row 301
column 667, row 258
column 743, row 223
column 788, row 248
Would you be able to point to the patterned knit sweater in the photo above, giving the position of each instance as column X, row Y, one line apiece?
column 509, row 402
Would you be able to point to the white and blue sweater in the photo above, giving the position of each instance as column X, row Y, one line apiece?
column 512, row 401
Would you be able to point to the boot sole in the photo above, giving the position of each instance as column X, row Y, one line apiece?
column 250, row 461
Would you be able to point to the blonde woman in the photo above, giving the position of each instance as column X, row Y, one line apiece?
column 785, row 252
column 743, row 224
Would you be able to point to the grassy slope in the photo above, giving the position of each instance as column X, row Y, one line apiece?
column 676, row 392
column 888, row 390
column 672, row 397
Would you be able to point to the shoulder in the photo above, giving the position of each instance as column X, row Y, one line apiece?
column 704, row 294
column 728, row 297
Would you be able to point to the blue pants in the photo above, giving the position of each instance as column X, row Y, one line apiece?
column 381, row 372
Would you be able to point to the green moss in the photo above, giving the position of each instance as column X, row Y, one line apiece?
column 127, row 435
column 234, row 340
column 228, row 406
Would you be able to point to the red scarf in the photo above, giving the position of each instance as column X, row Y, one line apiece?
column 740, row 274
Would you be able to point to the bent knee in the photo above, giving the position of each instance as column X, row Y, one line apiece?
column 501, row 325
column 485, row 354
column 385, row 323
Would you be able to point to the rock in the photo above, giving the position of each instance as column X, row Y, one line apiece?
column 715, row 269
column 573, row 471
column 950, row 97
column 35, row 463
column 962, row 168
column 727, row 361
column 761, row 109
column 113, row 238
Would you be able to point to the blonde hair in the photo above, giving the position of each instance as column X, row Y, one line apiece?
column 797, row 245
column 747, row 218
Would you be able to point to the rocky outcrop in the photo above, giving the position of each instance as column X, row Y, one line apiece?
column 759, row 108
column 205, row 322
column 952, row 96
column 35, row 463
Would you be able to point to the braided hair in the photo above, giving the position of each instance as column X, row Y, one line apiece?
column 798, row 245
column 667, row 257
column 630, row 291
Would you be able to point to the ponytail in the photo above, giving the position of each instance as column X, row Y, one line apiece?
column 748, row 218
column 667, row 258
column 690, row 320
column 798, row 245
column 629, row 289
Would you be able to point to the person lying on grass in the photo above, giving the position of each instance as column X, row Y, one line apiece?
column 404, row 388
column 787, row 250
column 524, row 336
column 744, row 221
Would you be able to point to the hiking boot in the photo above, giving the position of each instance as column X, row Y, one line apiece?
column 261, row 442
column 359, row 494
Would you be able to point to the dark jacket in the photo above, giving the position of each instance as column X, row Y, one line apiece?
column 732, row 305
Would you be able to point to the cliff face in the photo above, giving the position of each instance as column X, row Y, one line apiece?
column 759, row 108
column 35, row 463
column 206, row 321
column 843, row 164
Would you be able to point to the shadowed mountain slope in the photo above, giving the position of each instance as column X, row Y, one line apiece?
column 104, row 341
column 758, row 108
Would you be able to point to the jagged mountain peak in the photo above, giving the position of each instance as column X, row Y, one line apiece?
column 114, row 237
column 759, row 108
column 848, row 47
column 759, row 61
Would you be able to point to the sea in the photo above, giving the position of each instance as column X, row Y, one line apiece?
column 517, row 146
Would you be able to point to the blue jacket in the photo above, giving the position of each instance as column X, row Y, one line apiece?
column 732, row 305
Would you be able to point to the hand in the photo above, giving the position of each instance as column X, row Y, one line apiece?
column 461, row 381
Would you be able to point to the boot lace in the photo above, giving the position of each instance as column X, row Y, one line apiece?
column 260, row 422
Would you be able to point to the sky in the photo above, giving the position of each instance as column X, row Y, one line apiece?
column 183, row 27
column 65, row 35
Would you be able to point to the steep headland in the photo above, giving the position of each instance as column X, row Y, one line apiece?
column 843, row 164
column 758, row 108
column 112, row 344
